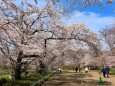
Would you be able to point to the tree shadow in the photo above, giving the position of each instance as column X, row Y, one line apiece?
column 74, row 79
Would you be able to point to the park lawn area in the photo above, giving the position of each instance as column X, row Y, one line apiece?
column 4, row 71
column 68, row 70
column 32, row 78
column 112, row 71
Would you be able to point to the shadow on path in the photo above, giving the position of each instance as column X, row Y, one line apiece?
column 73, row 79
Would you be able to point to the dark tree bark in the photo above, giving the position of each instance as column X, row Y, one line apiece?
column 17, row 72
column 17, row 69
column 18, row 65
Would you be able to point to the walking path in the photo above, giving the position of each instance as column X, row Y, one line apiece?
column 79, row 79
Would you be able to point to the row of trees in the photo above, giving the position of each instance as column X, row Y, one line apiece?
column 29, row 33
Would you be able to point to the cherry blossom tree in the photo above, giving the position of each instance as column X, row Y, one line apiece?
column 31, row 33
column 108, row 37
column 107, row 40
column 77, row 4
column 104, row 59
column 19, row 32
column 69, row 44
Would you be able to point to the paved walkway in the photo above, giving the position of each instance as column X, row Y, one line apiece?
column 79, row 79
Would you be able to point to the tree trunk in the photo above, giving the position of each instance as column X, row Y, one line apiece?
column 17, row 72
column 17, row 69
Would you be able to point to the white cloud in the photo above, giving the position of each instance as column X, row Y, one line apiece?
column 92, row 20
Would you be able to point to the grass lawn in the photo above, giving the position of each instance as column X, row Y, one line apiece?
column 112, row 71
column 32, row 78
column 68, row 70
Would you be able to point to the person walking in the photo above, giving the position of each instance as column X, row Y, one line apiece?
column 86, row 70
column 107, row 71
column 76, row 68
column 104, row 71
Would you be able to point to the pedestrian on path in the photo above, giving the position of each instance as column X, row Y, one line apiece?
column 107, row 71
column 76, row 68
column 103, row 70
column 100, row 79
column 86, row 70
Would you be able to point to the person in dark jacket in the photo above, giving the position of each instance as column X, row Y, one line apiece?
column 104, row 71
column 107, row 71
column 76, row 68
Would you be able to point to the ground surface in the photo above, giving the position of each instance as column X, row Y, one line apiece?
column 79, row 79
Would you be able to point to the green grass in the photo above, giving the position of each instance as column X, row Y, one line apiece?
column 112, row 71
column 4, row 76
column 68, row 70
column 3, row 71
column 32, row 78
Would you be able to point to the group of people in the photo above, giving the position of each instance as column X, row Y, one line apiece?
column 105, row 70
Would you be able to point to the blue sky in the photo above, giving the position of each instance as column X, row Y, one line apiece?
column 95, row 18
